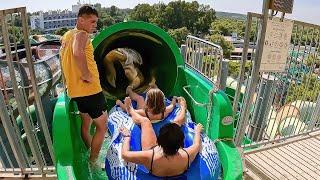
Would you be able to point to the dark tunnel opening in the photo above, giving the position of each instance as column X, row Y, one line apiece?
column 158, row 61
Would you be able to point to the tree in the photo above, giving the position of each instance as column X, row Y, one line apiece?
column 234, row 68
column 113, row 11
column 142, row 12
column 99, row 24
column 15, row 34
column 98, row 7
column 160, row 18
column 108, row 21
column 111, row 15
column 226, row 46
column 313, row 60
column 206, row 17
column 195, row 17
column 61, row 31
column 226, row 27
column 307, row 90
column 177, row 14
column 179, row 35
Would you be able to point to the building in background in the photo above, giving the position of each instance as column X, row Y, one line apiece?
column 238, row 44
column 48, row 22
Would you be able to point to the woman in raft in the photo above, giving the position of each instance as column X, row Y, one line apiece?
column 163, row 155
column 153, row 107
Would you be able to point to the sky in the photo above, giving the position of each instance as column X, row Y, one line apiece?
column 304, row 10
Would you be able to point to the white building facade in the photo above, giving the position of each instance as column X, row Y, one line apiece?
column 53, row 20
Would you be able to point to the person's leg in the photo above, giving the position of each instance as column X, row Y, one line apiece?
column 85, row 129
column 98, row 136
column 86, row 121
column 148, row 136
column 136, row 97
column 122, row 106
column 97, row 106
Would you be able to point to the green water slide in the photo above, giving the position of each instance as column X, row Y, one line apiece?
column 162, row 59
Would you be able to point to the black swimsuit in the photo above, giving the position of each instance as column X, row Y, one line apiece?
column 153, row 157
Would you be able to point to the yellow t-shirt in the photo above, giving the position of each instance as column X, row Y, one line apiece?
column 75, row 86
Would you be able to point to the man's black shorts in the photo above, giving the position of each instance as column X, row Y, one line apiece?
column 94, row 104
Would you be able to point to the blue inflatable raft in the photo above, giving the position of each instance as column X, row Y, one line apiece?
column 205, row 166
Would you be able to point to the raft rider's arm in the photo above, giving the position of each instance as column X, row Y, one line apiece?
column 195, row 148
column 138, row 157
column 171, row 106
column 180, row 118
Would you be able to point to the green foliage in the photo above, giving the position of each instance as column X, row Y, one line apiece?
column 313, row 60
column 15, row 34
column 225, row 45
column 107, row 20
column 177, row 14
column 110, row 16
column 253, row 32
column 304, row 36
column 35, row 31
column 308, row 90
column 234, row 68
column 209, row 59
column 227, row 26
column 209, row 64
column 179, row 35
column 229, row 15
column 61, row 31
column 206, row 17
column 113, row 10
column 142, row 12
column 99, row 25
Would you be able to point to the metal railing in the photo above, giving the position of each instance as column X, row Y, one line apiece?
column 25, row 141
column 205, row 57
column 279, row 105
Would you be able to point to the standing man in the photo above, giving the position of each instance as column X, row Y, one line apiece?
column 82, row 78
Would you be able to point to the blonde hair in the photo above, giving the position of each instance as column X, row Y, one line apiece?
column 155, row 101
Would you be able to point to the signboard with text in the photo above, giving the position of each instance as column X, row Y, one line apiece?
column 276, row 45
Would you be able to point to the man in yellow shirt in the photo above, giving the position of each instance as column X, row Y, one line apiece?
column 82, row 78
